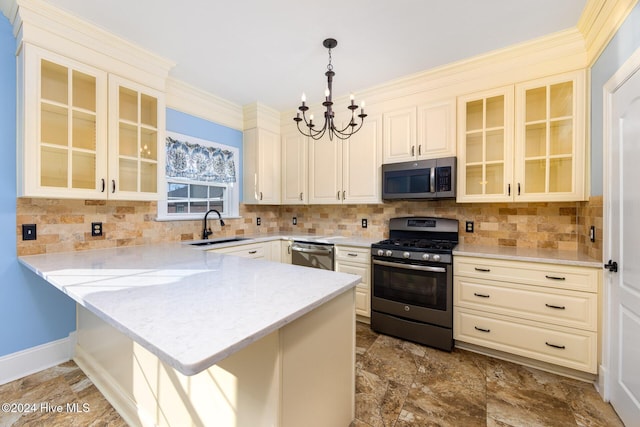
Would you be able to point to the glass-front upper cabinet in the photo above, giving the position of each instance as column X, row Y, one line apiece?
column 485, row 141
column 550, row 142
column 62, row 137
column 136, row 117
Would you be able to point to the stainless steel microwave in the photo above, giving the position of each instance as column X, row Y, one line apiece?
column 420, row 179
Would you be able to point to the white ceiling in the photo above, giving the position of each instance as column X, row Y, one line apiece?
column 271, row 50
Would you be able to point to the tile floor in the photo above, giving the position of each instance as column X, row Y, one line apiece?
column 398, row 384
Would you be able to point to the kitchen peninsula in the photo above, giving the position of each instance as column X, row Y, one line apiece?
column 176, row 336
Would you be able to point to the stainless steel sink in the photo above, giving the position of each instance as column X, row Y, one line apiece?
column 219, row 241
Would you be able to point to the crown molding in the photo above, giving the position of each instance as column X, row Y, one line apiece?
column 258, row 115
column 39, row 23
column 599, row 23
column 191, row 100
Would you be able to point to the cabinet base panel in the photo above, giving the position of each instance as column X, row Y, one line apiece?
column 525, row 361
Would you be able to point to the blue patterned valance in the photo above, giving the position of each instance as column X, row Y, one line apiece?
column 199, row 162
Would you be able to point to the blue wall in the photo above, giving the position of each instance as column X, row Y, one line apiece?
column 619, row 49
column 193, row 126
column 32, row 312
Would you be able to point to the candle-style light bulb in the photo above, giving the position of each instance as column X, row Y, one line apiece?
column 326, row 93
column 304, row 98
column 311, row 118
column 352, row 98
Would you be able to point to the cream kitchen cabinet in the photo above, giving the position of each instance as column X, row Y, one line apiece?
column 84, row 133
column 357, row 260
column 261, row 164
column 546, row 312
column 347, row 171
column 295, row 176
column 524, row 142
column 260, row 250
column 425, row 131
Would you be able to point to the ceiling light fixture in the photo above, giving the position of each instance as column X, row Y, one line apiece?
column 329, row 125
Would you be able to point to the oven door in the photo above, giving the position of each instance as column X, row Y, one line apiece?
column 421, row 292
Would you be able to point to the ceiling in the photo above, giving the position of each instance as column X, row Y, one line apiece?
column 271, row 51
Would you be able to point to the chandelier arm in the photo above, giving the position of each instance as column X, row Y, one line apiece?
column 312, row 132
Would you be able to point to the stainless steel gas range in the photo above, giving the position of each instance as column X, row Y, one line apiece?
column 412, row 281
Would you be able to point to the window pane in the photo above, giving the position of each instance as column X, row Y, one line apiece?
column 177, row 191
column 219, row 206
column 177, row 207
column 216, row 192
column 199, row 191
column 198, row 207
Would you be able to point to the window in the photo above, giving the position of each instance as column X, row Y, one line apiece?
column 200, row 175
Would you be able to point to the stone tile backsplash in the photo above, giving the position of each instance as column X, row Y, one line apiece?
column 65, row 225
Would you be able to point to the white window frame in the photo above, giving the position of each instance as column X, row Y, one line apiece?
column 231, row 199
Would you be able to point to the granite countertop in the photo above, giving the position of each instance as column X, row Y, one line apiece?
column 312, row 238
column 551, row 256
column 190, row 308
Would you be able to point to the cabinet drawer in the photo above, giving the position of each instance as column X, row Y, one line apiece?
column 254, row 250
column 559, row 307
column 572, row 348
column 532, row 273
column 353, row 254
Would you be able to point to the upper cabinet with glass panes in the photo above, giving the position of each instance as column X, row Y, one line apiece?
column 85, row 133
column 530, row 149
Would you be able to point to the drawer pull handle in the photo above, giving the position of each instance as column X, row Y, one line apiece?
column 253, row 252
column 555, row 278
column 482, row 330
column 484, row 270
column 352, row 254
column 561, row 347
column 481, row 295
column 559, row 307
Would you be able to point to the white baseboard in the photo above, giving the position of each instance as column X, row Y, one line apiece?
column 26, row 362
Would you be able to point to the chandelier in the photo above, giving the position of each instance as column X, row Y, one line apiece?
column 329, row 126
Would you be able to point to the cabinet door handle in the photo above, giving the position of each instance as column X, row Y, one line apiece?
column 557, row 307
column 420, row 150
column 301, row 196
column 518, row 189
column 113, row 185
column 352, row 254
column 338, row 195
column 508, row 189
column 289, row 249
column 261, row 195
column 555, row 277
column 253, row 252
column 561, row 347
column 481, row 295
column 344, row 195
column 482, row 329
column 413, row 150
column 484, row 270
column 104, row 184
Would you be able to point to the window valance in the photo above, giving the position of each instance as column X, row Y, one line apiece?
column 199, row 162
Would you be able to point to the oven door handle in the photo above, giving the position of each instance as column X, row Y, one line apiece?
column 410, row 266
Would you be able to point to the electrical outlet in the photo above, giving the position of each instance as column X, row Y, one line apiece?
column 258, row 221
column 295, row 221
column 469, row 226
column 592, row 233
column 364, row 223
column 29, row 232
column 96, row 229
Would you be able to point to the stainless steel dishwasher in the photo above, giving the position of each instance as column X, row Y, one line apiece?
column 316, row 255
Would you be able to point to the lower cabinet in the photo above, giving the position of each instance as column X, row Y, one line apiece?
column 260, row 250
column 546, row 312
column 357, row 260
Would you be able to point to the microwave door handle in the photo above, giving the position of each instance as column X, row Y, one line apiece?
column 432, row 180
column 410, row 266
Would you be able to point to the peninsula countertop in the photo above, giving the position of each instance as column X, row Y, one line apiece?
column 190, row 308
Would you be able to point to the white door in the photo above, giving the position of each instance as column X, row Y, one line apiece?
column 623, row 286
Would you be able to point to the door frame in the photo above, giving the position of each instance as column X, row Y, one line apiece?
column 626, row 70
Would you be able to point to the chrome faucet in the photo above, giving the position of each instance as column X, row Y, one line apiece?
column 206, row 231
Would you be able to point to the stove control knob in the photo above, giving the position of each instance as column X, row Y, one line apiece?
column 426, row 257
column 388, row 253
column 380, row 252
column 436, row 257
column 406, row 255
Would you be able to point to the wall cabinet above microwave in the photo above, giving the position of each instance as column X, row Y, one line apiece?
column 425, row 131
